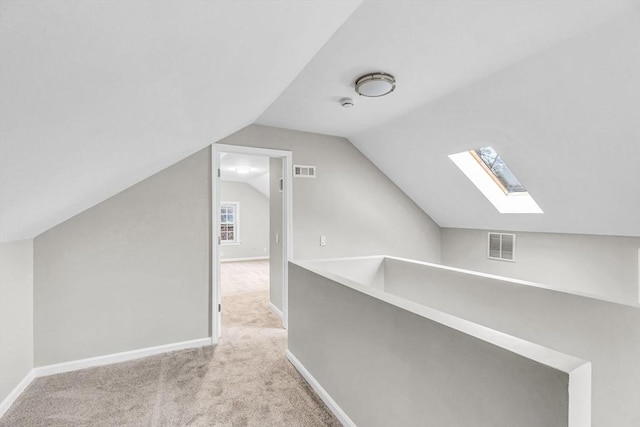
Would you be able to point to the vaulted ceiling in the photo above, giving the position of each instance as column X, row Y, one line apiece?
column 554, row 87
column 246, row 168
column 95, row 96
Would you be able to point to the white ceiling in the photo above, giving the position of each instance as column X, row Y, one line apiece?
column 258, row 175
column 553, row 86
column 566, row 121
column 431, row 47
column 96, row 96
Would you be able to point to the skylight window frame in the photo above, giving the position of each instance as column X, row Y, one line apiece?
column 481, row 176
column 491, row 173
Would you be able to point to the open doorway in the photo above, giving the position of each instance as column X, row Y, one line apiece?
column 251, row 236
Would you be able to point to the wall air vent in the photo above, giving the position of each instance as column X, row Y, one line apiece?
column 501, row 246
column 304, row 171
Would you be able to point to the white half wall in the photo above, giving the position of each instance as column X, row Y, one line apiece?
column 602, row 266
column 386, row 361
column 254, row 221
column 16, row 314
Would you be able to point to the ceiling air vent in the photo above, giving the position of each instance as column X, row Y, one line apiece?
column 304, row 171
column 501, row 246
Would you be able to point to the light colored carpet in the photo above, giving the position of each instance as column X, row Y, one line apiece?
column 244, row 381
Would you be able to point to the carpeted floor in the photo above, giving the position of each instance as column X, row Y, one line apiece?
column 244, row 381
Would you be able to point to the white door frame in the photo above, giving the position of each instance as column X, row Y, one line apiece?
column 287, row 221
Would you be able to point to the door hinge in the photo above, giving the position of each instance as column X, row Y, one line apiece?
column 219, row 308
column 218, row 173
column 219, row 239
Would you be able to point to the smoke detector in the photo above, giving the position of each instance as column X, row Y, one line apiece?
column 375, row 84
column 347, row 102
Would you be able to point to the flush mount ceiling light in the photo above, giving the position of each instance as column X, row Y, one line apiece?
column 243, row 169
column 375, row 84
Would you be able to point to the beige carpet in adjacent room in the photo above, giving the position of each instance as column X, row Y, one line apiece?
column 245, row 381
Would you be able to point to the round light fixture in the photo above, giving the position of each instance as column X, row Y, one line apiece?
column 347, row 102
column 243, row 169
column 375, row 84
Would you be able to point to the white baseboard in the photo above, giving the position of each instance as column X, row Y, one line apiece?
column 331, row 404
column 124, row 356
column 17, row 390
column 257, row 258
column 275, row 310
column 58, row 368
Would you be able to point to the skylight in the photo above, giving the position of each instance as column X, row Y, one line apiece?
column 498, row 170
column 490, row 174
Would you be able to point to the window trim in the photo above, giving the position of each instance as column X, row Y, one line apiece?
column 236, row 224
column 505, row 203
column 492, row 174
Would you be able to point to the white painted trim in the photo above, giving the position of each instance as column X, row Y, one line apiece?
column 216, row 291
column 315, row 385
column 124, row 356
column 17, row 391
column 288, row 234
column 287, row 214
column 275, row 310
column 59, row 368
column 255, row 258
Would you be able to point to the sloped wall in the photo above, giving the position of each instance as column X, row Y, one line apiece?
column 352, row 203
column 129, row 273
column 133, row 271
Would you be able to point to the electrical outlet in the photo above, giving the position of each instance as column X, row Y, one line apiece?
column 323, row 240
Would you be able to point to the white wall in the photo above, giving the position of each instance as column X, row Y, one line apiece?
column 129, row 273
column 351, row 202
column 604, row 333
column 388, row 365
column 254, row 221
column 604, row 266
column 16, row 313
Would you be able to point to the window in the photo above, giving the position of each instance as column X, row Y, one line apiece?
column 490, row 174
column 498, row 170
column 501, row 246
column 229, row 222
